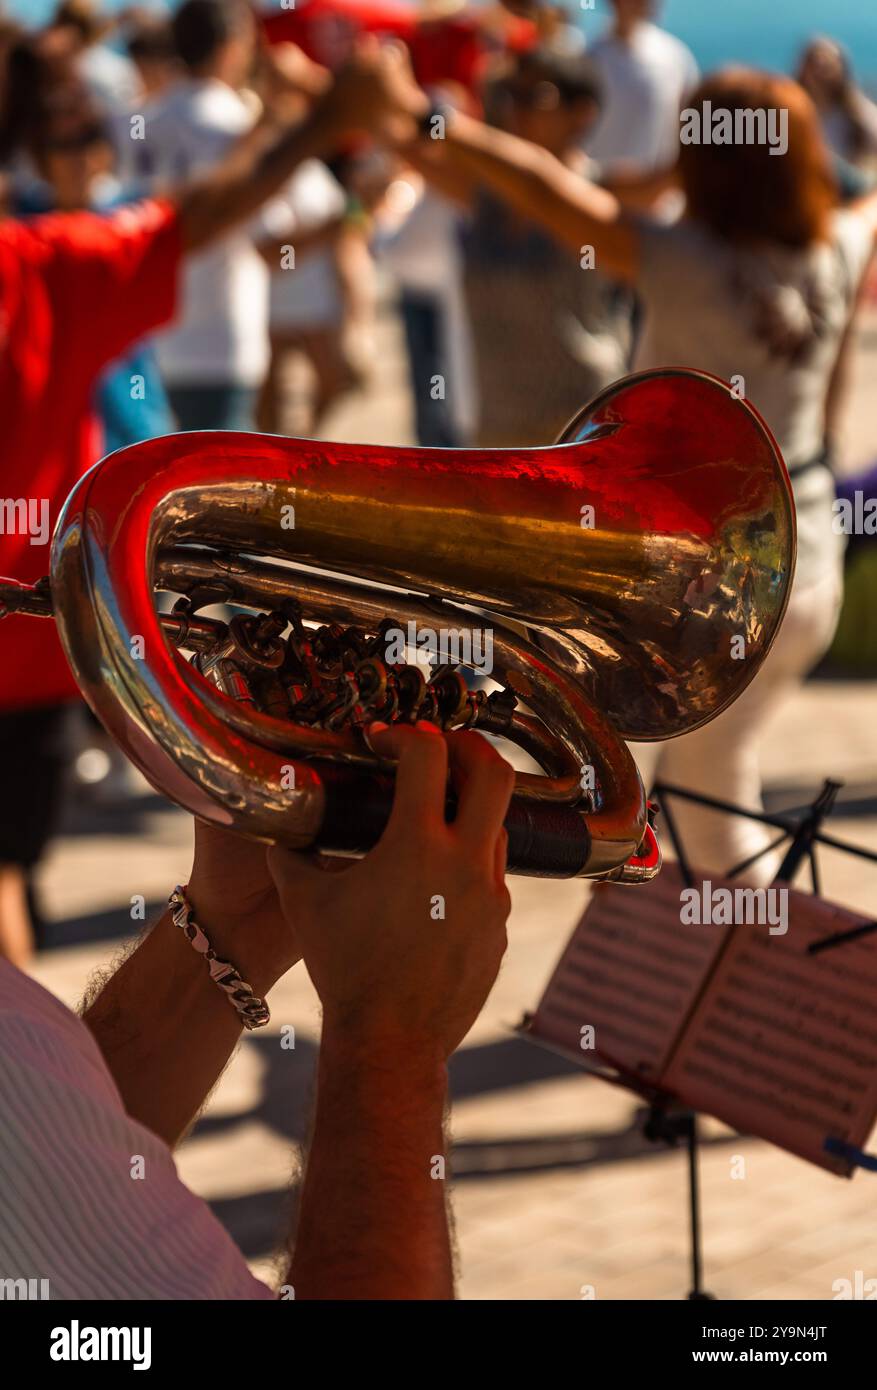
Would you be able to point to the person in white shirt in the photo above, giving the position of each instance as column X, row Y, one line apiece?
column 214, row 358
column 149, row 43
column 646, row 76
column 111, row 77
column 302, row 230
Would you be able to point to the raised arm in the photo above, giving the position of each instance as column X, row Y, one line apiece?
column 541, row 188
column 641, row 191
column 358, row 102
column 403, row 949
column 447, row 176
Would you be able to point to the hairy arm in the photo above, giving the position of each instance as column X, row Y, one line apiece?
column 400, row 989
column 165, row 1029
column 373, row 1220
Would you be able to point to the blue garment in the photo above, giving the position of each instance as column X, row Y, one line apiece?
column 424, row 335
column 131, row 400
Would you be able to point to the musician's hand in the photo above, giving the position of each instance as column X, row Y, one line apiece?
column 405, row 945
column 234, row 899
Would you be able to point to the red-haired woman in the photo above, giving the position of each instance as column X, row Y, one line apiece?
column 757, row 281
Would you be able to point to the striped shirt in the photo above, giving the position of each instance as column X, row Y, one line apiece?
column 75, row 1213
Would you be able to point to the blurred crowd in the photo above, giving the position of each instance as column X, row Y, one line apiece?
column 563, row 238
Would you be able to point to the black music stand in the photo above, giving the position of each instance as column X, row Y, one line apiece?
column 804, row 833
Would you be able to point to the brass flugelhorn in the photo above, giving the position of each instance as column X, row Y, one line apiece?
column 236, row 608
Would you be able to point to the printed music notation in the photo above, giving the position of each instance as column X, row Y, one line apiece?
column 730, row 1020
column 630, row 973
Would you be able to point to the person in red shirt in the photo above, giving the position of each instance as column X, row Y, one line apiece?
column 449, row 43
column 77, row 289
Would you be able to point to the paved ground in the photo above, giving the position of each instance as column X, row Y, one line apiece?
column 557, row 1194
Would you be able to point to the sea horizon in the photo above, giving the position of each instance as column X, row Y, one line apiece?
column 743, row 32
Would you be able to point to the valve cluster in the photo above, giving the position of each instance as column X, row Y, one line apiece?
column 329, row 677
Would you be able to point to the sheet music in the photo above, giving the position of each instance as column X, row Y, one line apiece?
column 784, row 1044
column 631, row 972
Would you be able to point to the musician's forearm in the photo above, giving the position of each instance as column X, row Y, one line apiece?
column 166, row 1030
column 372, row 1220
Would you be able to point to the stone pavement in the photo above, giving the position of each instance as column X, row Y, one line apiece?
column 556, row 1193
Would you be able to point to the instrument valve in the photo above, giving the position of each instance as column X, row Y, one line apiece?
column 257, row 640
column 451, row 694
column 501, row 705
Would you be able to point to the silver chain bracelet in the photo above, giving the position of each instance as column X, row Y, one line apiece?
column 254, row 1013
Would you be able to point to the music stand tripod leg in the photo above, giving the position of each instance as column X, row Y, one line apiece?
column 669, row 1128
